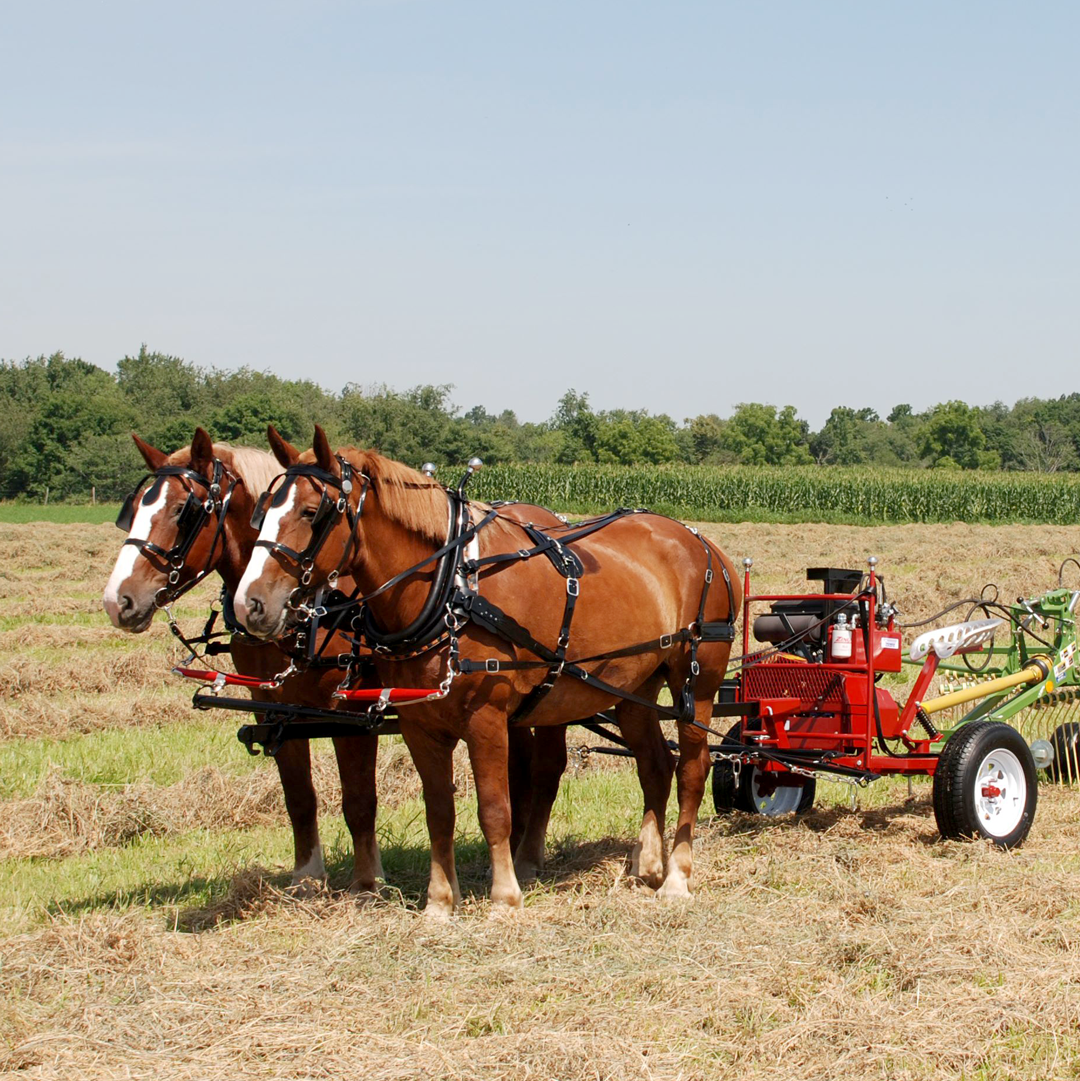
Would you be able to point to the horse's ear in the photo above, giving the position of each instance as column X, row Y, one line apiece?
column 153, row 457
column 283, row 450
column 202, row 452
column 324, row 453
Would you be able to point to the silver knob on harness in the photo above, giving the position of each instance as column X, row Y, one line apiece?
column 428, row 469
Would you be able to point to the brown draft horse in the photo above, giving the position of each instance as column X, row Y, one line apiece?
column 129, row 600
column 642, row 581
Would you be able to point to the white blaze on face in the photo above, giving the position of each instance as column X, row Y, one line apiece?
column 129, row 553
column 269, row 532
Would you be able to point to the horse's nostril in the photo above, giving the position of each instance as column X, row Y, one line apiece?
column 126, row 602
column 254, row 606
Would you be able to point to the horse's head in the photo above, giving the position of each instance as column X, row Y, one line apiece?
column 174, row 530
column 307, row 522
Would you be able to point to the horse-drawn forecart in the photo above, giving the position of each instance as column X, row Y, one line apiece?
column 361, row 597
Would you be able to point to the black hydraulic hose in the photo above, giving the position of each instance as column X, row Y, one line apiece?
column 974, row 602
column 1061, row 570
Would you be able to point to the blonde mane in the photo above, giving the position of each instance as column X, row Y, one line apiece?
column 405, row 495
column 256, row 468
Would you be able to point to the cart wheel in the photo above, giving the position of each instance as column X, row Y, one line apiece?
column 754, row 796
column 985, row 784
column 724, row 792
column 1065, row 768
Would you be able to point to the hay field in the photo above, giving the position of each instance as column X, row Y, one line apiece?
column 145, row 930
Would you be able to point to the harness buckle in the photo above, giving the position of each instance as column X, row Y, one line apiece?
column 524, row 553
column 572, row 587
column 695, row 668
column 320, row 612
column 665, row 641
column 331, row 578
column 708, row 576
column 563, row 641
column 491, row 665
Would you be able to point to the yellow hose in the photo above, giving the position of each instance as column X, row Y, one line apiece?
column 1039, row 668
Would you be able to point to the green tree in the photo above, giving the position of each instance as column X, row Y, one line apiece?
column 758, row 434
column 414, row 426
column 706, row 438
column 578, row 426
column 951, row 435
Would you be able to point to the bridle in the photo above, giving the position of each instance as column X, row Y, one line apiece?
column 194, row 516
column 327, row 515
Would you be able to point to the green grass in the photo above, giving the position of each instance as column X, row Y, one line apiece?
column 598, row 810
column 22, row 513
column 118, row 756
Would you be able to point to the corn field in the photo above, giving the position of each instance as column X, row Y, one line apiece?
column 725, row 493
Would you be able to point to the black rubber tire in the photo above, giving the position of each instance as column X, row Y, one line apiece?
column 724, row 792
column 957, row 774
column 729, row 796
column 744, row 798
column 1065, row 768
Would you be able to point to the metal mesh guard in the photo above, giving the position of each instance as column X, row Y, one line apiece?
column 809, row 683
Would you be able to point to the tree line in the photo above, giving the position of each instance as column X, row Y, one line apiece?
column 65, row 424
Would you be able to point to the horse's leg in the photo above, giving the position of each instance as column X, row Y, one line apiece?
column 548, row 765
column 641, row 730
column 433, row 757
column 294, row 768
column 356, row 757
column 522, row 757
column 694, row 765
column 488, row 742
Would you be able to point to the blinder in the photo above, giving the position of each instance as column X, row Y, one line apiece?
column 327, row 514
column 193, row 516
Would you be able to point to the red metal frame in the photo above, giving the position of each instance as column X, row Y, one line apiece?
column 361, row 694
column 832, row 721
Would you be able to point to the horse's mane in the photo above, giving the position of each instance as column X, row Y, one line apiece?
column 256, row 468
column 405, row 495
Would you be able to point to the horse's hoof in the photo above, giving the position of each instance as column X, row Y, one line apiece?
column 647, row 870
column 363, row 896
column 501, row 912
column 675, row 888
column 527, row 871
column 438, row 913
column 305, row 888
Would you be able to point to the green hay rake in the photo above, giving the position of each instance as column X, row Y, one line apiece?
column 1045, row 710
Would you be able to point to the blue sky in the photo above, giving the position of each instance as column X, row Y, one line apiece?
column 677, row 206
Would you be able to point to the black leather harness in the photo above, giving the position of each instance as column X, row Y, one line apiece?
column 193, row 518
column 452, row 602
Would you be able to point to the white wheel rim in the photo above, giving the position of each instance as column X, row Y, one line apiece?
column 1000, row 793
column 783, row 800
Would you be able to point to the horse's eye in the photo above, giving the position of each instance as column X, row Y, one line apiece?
column 308, row 514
